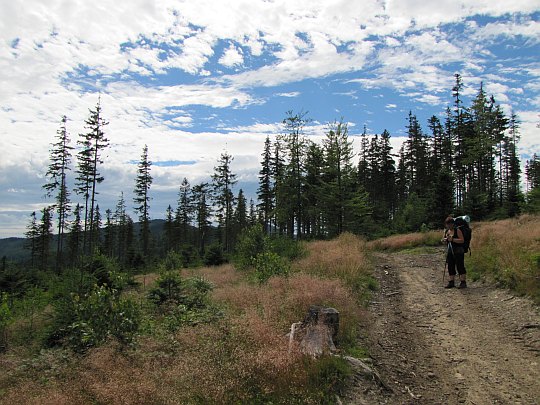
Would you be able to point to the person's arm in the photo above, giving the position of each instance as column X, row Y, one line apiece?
column 460, row 238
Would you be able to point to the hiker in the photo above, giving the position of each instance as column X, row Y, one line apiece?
column 455, row 253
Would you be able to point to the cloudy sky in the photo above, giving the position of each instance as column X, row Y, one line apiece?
column 194, row 78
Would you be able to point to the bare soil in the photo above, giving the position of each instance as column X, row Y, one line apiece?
column 430, row 345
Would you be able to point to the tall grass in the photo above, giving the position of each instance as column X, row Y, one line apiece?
column 407, row 241
column 345, row 258
column 508, row 252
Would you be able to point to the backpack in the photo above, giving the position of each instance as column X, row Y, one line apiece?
column 463, row 224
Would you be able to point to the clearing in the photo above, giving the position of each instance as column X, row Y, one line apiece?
column 430, row 345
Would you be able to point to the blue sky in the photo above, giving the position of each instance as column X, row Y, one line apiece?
column 194, row 78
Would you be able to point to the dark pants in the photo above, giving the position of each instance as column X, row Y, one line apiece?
column 456, row 259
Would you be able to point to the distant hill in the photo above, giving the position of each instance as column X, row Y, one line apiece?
column 13, row 248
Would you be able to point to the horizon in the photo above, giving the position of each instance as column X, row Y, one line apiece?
column 191, row 85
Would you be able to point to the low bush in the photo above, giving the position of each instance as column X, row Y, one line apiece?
column 270, row 264
column 89, row 320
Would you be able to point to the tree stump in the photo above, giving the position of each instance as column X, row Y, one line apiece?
column 317, row 332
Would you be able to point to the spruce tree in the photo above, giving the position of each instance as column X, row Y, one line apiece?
column 60, row 159
column 44, row 238
column 277, row 170
column 32, row 234
column 338, row 175
column 89, row 158
column 124, row 239
column 313, row 222
column 223, row 180
column 184, row 214
column 75, row 236
column 240, row 216
column 201, row 198
column 265, row 192
column 295, row 147
column 141, row 198
column 168, row 229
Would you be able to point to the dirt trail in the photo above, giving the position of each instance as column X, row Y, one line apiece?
column 430, row 345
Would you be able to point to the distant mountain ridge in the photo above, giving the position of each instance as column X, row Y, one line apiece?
column 14, row 250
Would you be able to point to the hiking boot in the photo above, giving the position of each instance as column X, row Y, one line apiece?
column 450, row 284
column 463, row 284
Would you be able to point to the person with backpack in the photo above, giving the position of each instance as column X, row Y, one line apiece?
column 455, row 253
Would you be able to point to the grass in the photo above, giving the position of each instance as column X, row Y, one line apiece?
column 407, row 241
column 507, row 252
column 243, row 357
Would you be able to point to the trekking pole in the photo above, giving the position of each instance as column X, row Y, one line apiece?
column 445, row 264
column 448, row 249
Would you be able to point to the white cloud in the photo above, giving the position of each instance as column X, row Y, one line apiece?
column 232, row 57
column 291, row 94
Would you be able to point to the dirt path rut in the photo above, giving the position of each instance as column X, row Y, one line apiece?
column 430, row 345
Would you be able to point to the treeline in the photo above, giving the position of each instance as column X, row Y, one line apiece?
column 466, row 163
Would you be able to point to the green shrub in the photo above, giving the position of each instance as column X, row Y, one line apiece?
column 172, row 261
column 190, row 256
column 169, row 288
column 214, row 255
column 6, row 318
column 100, row 315
column 286, row 247
column 270, row 264
column 84, row 321
column 251, row 242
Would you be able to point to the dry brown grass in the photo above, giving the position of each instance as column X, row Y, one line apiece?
column 345, row 258
column 244, row 358
column 508, row 251
column 406, row 241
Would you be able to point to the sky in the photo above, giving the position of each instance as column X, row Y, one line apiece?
column 193, row 79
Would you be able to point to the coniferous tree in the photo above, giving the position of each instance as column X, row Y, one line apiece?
column 532, row 172
column 44, row 238
column 338, row 176
column 184, row 214
column 95, row 231
column 313, row 222
column 240, row 216
column 278, row 222
column 201, row 198
column 265, row 192
column 60, row 159
column 223, row 180
column 363, row 166
column 109, row 237
column 295, row 147
column 253, row 217
column 168, row 229
column 89, row 158
column 75, row 235
column 122, row 224
column 416, row 157
column 512, row 169
column 31, row 243
column 143, row 183
column 458, row 134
